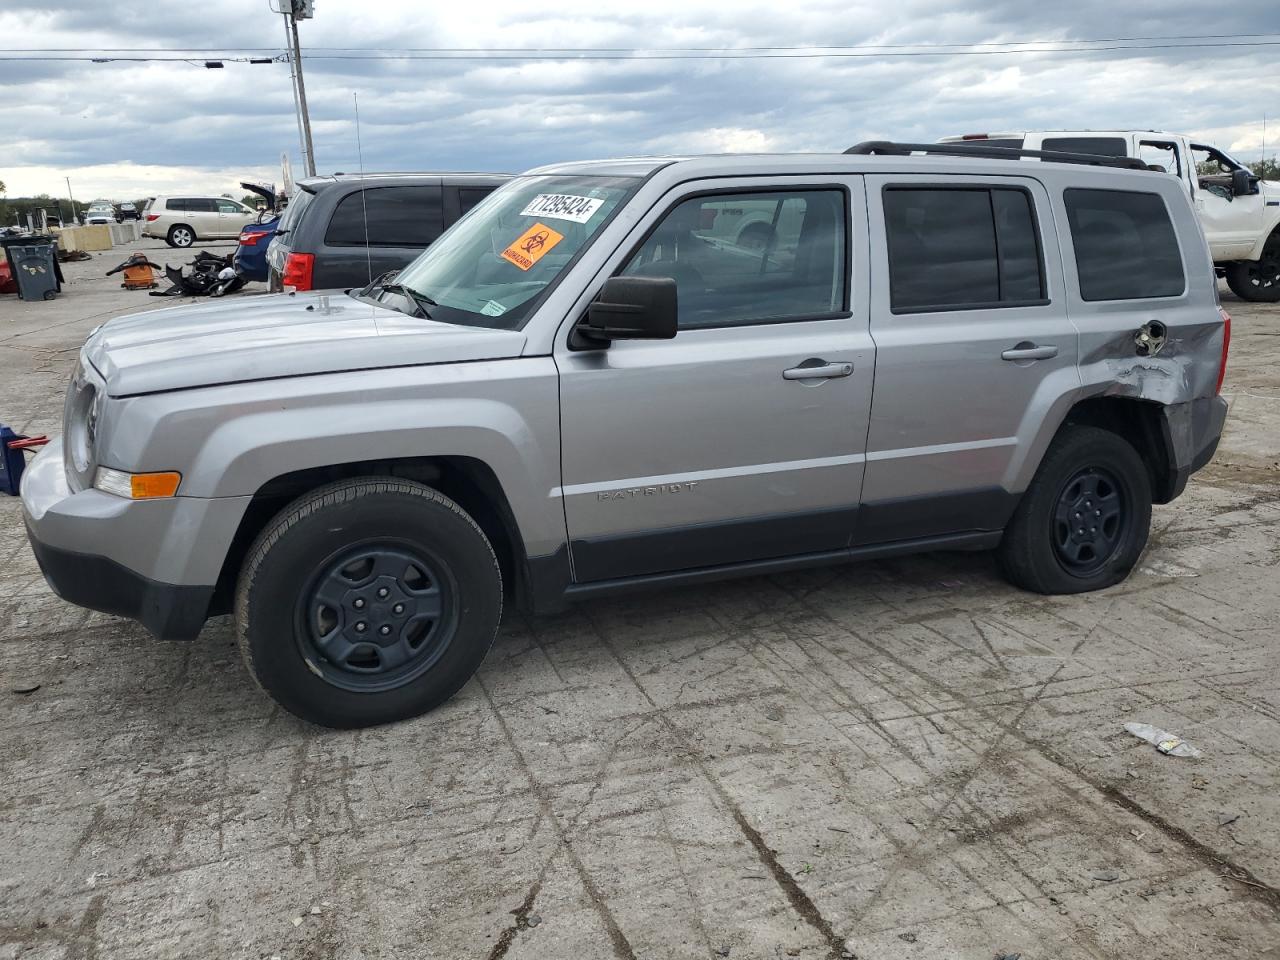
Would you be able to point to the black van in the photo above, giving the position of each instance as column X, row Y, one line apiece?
column 321, row 241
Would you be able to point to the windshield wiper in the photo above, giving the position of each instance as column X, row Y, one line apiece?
column 420, row 300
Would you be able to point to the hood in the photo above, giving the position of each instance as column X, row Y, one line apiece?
column 281, row 335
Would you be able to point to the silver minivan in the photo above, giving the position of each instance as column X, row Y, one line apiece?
column 181, row 221
column 633, row 374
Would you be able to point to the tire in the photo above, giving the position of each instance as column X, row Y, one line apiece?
column 1257, row 281
column 1039, row 554
column 180, row 235
column 407, row 556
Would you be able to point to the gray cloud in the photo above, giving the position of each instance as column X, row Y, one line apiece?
column 505, row 115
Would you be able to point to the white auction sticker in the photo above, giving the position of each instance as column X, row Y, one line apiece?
column 562, row 206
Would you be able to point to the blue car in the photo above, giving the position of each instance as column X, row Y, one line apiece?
column 250, row 259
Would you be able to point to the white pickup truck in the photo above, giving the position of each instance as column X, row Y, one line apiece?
column 1239, row 212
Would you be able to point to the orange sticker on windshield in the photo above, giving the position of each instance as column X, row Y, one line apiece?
column 531, row 246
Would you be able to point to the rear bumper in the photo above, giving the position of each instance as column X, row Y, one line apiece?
column 1191, row 434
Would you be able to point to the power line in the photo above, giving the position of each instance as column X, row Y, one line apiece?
column 720, row 49
column 644, row 55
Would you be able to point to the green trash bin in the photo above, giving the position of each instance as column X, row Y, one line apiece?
column 34, row 265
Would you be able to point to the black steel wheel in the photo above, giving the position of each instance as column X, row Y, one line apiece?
column 367, row 601
column 1089, row 521
column 1083, row 522
column 376, row 616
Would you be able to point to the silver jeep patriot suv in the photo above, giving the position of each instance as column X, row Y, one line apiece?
column 641, row 373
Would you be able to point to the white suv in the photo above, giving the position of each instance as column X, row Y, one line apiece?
column 181, row 221
column 1239, row 212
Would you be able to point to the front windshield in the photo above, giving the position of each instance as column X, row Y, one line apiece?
column 489, row 268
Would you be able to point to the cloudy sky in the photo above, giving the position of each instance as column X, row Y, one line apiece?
column 123, row 129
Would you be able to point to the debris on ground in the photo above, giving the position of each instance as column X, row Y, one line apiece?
column 209, row 276
column 1106, row 876
column 1226, row 819
column 1164, row 741
column 26, row 686
column 68, row 256
column 907, row 937
column 1008, row 956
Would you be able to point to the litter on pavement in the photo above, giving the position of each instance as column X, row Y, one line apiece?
column 1164, row 741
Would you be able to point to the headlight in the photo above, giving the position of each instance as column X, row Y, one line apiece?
column 80, row 426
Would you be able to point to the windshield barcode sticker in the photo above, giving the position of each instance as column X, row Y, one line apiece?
column 562, row 206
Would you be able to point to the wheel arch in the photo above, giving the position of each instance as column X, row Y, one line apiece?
column 469, row 482
column 1270, row 236
column 1141, row 424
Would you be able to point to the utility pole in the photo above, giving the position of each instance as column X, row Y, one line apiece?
column 73, row 203
column 293, row 89
column 302, row 9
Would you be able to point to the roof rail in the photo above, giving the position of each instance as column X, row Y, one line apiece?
column 974, row 148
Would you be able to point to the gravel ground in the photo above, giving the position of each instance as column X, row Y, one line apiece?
column 906, row 759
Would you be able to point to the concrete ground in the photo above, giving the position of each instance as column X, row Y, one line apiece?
column 906, row 759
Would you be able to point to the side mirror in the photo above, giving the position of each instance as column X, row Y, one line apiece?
column 631, row 308
column 1241, row 183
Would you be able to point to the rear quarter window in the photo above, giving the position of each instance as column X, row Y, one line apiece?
column 1099, row 146
column 1125, row 245
column 397, row 217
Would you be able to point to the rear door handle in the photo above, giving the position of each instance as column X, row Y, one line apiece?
column 1029, row 351
column 818, row 371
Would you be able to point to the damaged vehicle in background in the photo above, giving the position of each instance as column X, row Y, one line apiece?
column 586, row 387
column 344, row 230
column 250, row 259
column 1239, row 211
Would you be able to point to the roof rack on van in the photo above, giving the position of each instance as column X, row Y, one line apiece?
column 975, row 149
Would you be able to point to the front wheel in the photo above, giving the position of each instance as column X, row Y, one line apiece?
column 181, row 236
column 1083, row 522
column 367, row 601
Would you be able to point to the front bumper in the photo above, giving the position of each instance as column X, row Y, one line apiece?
column 155, row 561
column 169, row 611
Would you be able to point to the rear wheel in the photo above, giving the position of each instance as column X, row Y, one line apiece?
column 367, row 601
column 1083, row 522
column 1257, row 280
column 181, row 235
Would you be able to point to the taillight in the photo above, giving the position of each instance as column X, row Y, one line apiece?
column 1226, row 345
column 297, row 270
column 250, row 239
column 152, row 216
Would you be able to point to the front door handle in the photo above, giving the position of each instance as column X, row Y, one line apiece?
column 818, row 370
column 1029, row 351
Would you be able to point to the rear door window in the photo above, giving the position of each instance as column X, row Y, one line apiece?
column 176, row 203
column 1099, row 146
column 1125, row 245
column 468, row 197
column 397, row 217
column 958, row 248
column 201, row 205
